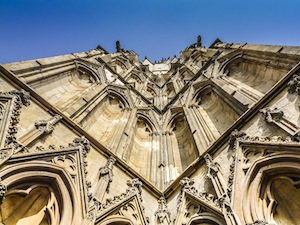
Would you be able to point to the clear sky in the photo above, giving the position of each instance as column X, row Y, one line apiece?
column 31, row 29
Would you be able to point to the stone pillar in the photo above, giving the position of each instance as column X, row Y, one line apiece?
column 154, row 156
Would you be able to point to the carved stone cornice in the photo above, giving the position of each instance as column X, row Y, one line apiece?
column 262, row 139
column 162, row 215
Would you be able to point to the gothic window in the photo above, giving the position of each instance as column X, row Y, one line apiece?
column 272, row 190
column 33, row 205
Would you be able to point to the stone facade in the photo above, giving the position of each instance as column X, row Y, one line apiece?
column 211, row 137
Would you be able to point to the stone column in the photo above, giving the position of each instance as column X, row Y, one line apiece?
column 154, row 156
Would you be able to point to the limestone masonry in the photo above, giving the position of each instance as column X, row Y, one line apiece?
column 211, row 137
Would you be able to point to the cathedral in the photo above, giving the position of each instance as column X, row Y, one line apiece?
column 209, row 137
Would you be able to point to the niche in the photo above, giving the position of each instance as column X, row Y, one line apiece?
column 105, row 119
column 141, row 147
column 182, row 142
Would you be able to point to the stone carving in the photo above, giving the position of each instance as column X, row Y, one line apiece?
column 213, row 167
column 276, row 117
column 135, row 188
column 258, row 222
column 294, row 84
column 191, row 209
column 231, row 176
column 10, row 105
column 271, row 115
column 274, row 139
column 135, row 185
column 197, row 44
column 22, row 96
column 118, row 46
column 187, row 186
column 236, row 134
column 3, row 190
column 221, row 189
column 162, row 215
column 82, row 142
column 199, row 41
column 47, row 126
column 105, row 178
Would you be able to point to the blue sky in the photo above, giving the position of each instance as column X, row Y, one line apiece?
column 32, row 29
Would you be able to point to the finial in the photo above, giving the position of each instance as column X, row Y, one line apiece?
column 199, row 41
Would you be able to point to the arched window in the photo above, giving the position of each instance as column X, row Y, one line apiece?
column 39, row 192
column 272, row 192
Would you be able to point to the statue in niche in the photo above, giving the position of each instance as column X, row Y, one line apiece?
column 32, row 206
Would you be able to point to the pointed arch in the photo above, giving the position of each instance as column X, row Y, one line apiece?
column 22, row 178
column 268, row 188
column 141, row 147
column 180, row 141
column 206, row 218
column 116, row 220
column 121, row 94
column 85, row 69
column 214, row 113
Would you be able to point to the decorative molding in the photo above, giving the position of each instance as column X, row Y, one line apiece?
column 294, row 84
column 3, row 190
column 162, row 215
column 82, row 142
column 262, row 139
column 10, row 105
column 221, row 189
column 23, row 97
column 135, row 188
column 276, row 116
column 187, row 186
column 234, row 136
column 231, row 175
